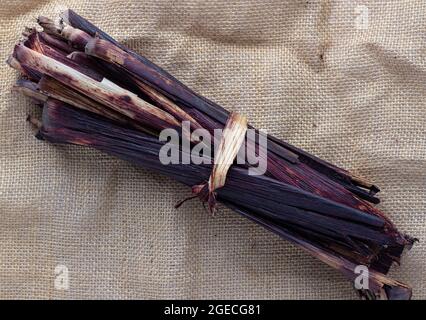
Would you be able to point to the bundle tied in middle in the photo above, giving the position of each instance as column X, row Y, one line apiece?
column 96, row 92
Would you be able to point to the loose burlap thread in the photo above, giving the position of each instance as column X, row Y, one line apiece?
column 316, row 73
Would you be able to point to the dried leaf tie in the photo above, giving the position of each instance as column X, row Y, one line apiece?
column 230, row 143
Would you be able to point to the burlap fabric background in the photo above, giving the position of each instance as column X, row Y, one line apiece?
column 307, row 71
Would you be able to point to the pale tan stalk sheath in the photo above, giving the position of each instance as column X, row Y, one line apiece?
column 13, row 63
column 54, row 89
column 104, row 92
column 167, row 104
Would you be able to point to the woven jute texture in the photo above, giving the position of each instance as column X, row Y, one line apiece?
column 345, row 80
